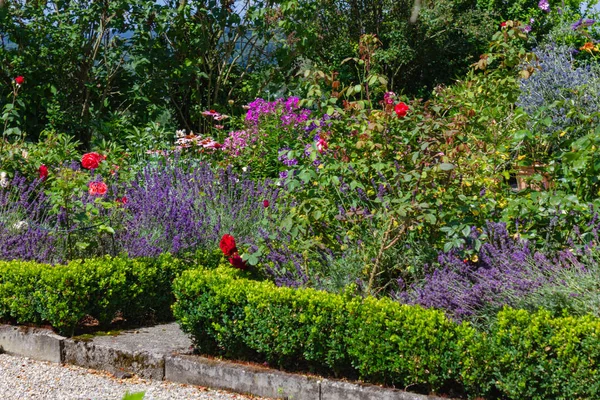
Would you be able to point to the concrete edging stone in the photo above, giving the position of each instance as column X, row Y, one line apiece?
column 123, row 359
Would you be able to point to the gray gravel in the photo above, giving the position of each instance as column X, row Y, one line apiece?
column 22, row 378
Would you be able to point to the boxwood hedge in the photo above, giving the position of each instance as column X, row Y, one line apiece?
column 136, row 289
column 522, row 356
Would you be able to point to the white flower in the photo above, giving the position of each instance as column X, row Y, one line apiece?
column 244, row 169
column 4, row 179
column 180, row 133
column 21, row 225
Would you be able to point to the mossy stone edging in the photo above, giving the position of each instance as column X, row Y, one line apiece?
column 43, row 344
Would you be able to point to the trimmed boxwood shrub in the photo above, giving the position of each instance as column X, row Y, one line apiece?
column 523, row 356
column 377, row 340
column 534, row 356
column 62, row 295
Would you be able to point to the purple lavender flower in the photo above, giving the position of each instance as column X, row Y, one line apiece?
column 27, row 228
column 175, row 209
column 582, row 23
column 505, row 269
column 544, row 5
column 284, row 159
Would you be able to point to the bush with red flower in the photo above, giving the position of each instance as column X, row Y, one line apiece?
column 229, row 249
column 43, row 170
column 92, row 160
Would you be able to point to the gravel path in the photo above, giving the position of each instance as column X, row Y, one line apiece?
column 23, row 379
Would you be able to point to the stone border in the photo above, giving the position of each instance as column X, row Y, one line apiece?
column 43, row 344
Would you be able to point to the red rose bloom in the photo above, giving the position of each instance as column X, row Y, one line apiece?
column 322, row 145
column 91, row 160
column 227, row 245
column 19, row 80
column 237, row 262
column 401, row 109
column 266, row 203
column 97, row 188
column 43, row 170
column 122, row 200
column 503, row 25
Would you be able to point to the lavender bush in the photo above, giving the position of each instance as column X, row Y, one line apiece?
column 175, row 208
column 505, row 271
column 26, row 226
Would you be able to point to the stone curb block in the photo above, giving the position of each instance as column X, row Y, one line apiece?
column 217, row 374
column 338, row 390
column 44, row 345
column 36, row 343
column 118, row 362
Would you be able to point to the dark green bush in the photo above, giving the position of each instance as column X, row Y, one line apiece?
column 534, row 356
column 523, row 356
column 138, row 290
column 372, row 339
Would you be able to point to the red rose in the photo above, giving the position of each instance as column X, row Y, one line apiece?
column 237, row 262
column 322, row 145
column 401, row 109
column 97, row 188
column 19, row 80
column 91, row 160
column 503, row 25
column 122, row 200
column 266, row 203
column 43, row 170
column 227, row 245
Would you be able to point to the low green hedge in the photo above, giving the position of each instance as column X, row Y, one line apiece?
column 62, row 295
column 377, row 340
column 523, row 355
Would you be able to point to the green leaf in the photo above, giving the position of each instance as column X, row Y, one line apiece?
column 446, row 166
column 134, row 396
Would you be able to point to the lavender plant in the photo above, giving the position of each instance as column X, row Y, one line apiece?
column 505, row 271
column 176, row 208
column 26, row 226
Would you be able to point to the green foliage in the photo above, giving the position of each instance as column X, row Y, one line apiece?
column 95, row 70
column 134, row 396
column 139, row 290
column 379, row 339
column 524, row 355
column 534, row 356
column 391, row 191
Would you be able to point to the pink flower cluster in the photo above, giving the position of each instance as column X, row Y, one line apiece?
column 185, row 141
column 290, row 112
column 238, row 141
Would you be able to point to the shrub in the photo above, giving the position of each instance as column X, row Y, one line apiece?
column 503, row 271
column 373, row 339
column 534, row 356
column 525, row 354
column 25, row 222
column 177, row 208
column 138, row 290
